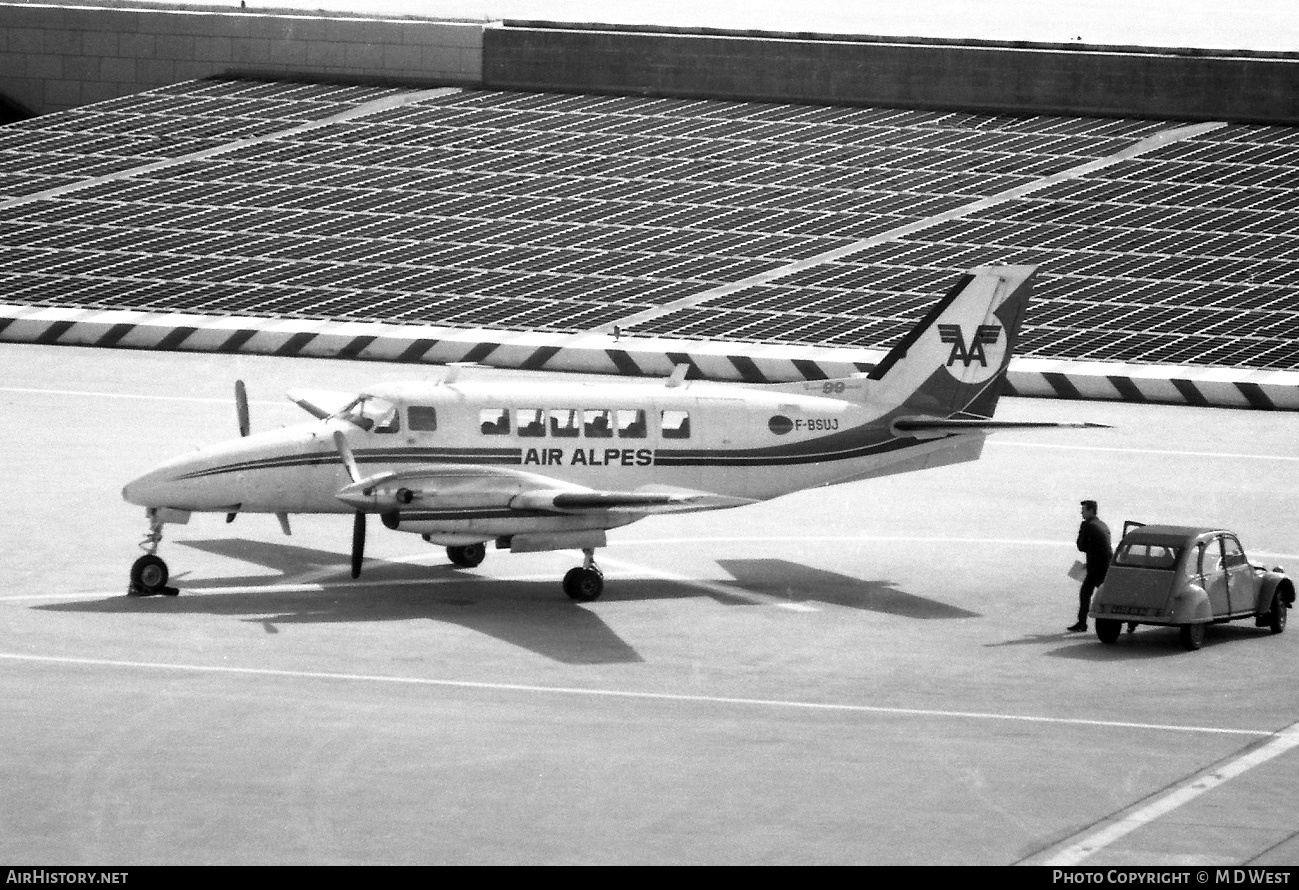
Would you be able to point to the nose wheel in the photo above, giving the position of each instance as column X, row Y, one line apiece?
column 586, row 582
column 149, row 573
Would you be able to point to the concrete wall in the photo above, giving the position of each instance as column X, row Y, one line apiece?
column 1184, row 85
column 58, row 57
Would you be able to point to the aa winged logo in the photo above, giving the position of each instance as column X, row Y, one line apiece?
column 984, row 335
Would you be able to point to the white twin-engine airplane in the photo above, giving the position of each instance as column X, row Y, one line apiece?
column 554, row 465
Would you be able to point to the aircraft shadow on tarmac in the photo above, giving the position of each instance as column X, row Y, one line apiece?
column 799, row 583
column 530, row 614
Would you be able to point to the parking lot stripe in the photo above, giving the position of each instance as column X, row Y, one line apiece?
column 595, row 692
column 1203, row 782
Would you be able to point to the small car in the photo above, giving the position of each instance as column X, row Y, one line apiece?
column 1189, row 578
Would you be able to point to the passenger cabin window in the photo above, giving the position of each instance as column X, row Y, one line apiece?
column 373, row 414
column 530, row 422
column 563, row 423
column 1232, row 554
column 422, row 418
column 596, row 424
column 494, row 421
column 676, row 425
column 631, row 424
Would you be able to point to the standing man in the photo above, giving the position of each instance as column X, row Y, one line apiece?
column 1093, row 540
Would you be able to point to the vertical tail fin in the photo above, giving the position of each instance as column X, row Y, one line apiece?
column 954, row 361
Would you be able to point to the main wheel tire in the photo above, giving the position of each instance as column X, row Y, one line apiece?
column 1193, row 636
column 148, row 575
column 1276, row 618
column 1108, row 630
column 469, row 555
column 584, row 585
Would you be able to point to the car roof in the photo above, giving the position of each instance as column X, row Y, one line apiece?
column 1170, row 534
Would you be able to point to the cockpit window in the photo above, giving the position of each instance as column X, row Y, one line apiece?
column 422, row 417
column 372, row 414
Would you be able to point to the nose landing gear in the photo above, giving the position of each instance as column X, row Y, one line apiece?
column 149, row 573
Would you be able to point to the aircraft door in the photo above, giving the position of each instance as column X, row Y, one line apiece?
column 1213, row 575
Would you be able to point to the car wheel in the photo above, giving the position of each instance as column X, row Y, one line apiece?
column 1276, row 618
column 1193, row 636
column 1107, row 629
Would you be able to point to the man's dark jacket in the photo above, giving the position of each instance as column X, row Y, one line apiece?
column 1094, row 540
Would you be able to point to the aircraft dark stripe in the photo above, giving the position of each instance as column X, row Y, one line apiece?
column 723, row 458
column 468, row 513
column 899, row 351
column 505, row 456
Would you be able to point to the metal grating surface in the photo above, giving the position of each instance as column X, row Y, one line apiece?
column 534, row 211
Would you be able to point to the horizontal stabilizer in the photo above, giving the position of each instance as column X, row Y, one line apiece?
column 935, row 427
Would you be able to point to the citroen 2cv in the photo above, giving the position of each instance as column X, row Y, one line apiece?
column 1188, row 578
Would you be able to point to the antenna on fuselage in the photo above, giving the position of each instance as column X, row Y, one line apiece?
column 679, row 373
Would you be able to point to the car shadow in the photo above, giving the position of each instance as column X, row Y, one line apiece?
column 1146, row 642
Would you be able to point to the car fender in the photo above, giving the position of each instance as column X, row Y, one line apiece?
column 1190, row 605
column 1269, row 585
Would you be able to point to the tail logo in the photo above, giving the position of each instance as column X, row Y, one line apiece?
column 984, row 335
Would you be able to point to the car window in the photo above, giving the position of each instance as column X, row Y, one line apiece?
column 1147, row 556
column 1233, row 555
column 1210, row 557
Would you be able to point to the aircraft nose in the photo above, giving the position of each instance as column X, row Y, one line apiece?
column 141, row 491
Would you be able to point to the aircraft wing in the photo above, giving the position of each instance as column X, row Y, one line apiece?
column 460, row 487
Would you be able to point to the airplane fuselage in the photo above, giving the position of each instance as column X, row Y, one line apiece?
column 741, row 443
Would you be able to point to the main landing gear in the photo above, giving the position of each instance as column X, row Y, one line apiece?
column 583, row 583
column 149, row 573
column 586, row 582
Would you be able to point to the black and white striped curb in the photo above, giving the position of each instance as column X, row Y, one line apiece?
column 629, row 356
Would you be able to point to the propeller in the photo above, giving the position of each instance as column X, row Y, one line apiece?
column 241, row 406
column 358, row 543
column 358, row 520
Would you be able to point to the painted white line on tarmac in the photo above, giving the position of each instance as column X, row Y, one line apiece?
column 1163, row 452
column 1281, row 742
column 126, row 395
column 592, row 692
column 726, row 590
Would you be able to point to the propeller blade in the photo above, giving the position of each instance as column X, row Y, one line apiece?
column 345, row 451
column 358, row 543
column 241, row 406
